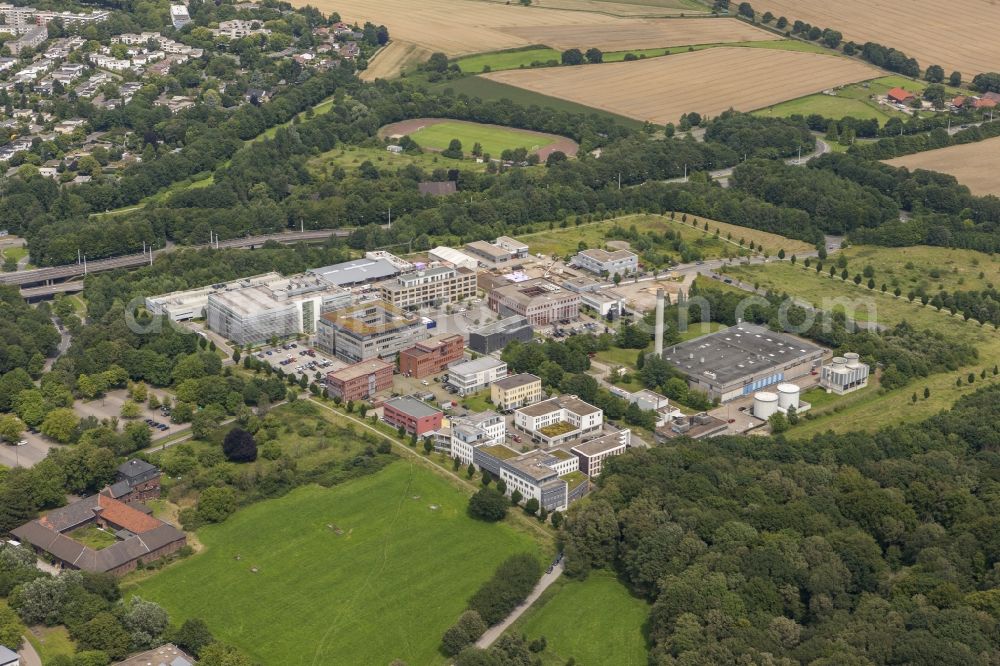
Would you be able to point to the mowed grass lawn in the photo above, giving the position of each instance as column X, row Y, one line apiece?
column 828, row 106
column 398, row 574
column 494, row 140
column 594, row 621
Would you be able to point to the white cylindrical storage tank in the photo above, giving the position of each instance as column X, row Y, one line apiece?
column 853, row 360
column 765, row 404
column 839, row 360
column 788, row 396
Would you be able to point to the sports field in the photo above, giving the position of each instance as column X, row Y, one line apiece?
column 436, row 133
column 975, row 165
column 594, row 621
column 953, row 34
column 362, row 573
column 660, row 90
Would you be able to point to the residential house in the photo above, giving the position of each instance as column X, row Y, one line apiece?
column 165, row 655
column 136, row 481
column 8, row 657
column 900, row 96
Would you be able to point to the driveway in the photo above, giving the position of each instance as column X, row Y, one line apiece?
column 28, row 655
column 494, row 632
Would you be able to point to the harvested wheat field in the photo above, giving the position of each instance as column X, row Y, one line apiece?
column 457, row 27
column 462, row 27
column 391, row 60
column 975, row 165
column 957, row 34
column 636, row 8
column 660, row 90
column 649, row 34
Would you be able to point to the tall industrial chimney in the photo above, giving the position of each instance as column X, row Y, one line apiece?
column 658, row 346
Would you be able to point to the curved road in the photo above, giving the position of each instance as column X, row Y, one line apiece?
column 496, row 631
column 822, row 148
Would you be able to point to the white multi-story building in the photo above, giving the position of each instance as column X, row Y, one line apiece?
column 474, row 430
column 602, row 262
column 179, row 16
column 558, row 419
column 429, row 287
column 471, row 376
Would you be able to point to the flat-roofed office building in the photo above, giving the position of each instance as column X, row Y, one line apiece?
column 374, row 329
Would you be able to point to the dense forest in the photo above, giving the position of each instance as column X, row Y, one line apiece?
column 847, row 549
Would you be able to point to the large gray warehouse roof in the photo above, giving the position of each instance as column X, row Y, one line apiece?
column 356, row 272
column 736, row 352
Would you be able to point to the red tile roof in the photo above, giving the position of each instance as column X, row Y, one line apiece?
column 122, row 515
column 900, row 94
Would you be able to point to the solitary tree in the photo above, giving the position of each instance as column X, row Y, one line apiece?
column 239, row 446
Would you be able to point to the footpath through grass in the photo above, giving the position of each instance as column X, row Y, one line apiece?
column 594, row 621
column 362, row 573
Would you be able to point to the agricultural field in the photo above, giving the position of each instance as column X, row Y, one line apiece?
column 363, row 573
column 975, row 165
column 641, row 34
column 626, row 7
column 928, row 30
column 492, row 91
column 660, row 90
column 593, row 621
column 460, row 27
column 435, row 134
column 563, row 241
column 879, row 409
column 389, row 62
column 520, row 58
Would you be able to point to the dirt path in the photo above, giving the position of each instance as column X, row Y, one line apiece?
column 494, row 632
column 389, row 62
column 561, row 143
column 28, row 655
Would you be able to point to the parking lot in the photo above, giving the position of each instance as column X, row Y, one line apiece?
column 299, row 358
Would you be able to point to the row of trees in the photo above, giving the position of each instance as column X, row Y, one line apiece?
column 896, row 145
column 850, row 548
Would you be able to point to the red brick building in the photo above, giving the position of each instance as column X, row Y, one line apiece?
column 137, row 481
column 415, row 416
column 360, row 381
column 431, row 356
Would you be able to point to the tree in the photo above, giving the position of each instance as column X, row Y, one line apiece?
column 239, row 446
column 594, row 56
column 104, row 633
column 145, row 620
column 955, row 79
column 531, row 506
column 464, row 632
column 470, row 471
column 220, row 654
column 60, row 425
column 10, row 628
column 130, row 410
column 11, row 428
column 428, row 445
column 572, row 57
column 927, row 392
column 489, row 505
column 746, row 10
column 557, row 519
column 516, row 497
column 193, row 636
column 778, row 423
column 934, row 74
column 216, row 504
